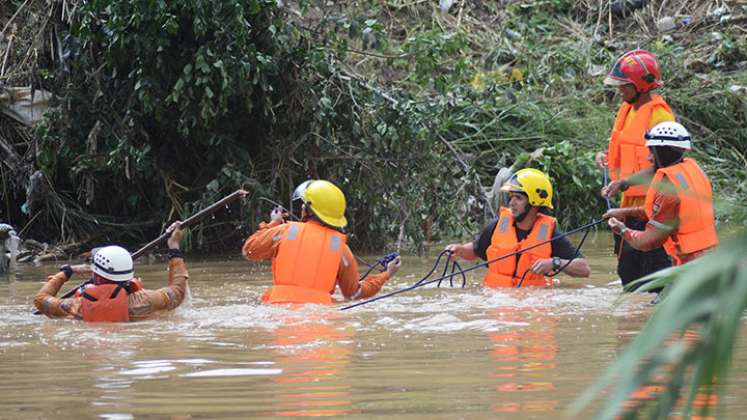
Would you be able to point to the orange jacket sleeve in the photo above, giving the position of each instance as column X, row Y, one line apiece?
column 347, row 279
column 144, row 303
column 48, row 304
column 661, row 225
column 263, row 244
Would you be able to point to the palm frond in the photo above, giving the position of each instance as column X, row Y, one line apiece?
column 688, row 339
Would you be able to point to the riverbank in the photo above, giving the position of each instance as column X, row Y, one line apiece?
column 411, row 108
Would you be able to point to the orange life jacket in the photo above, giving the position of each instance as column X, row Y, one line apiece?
column 627, row 152
column 507, row 272
column 696, row 230
column 106, row 302
column 305, row 268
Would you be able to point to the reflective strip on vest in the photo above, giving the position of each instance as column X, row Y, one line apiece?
column 306, row 266
column 507, row 272
column 627, row 152
column 696, row 229
column 542, row 236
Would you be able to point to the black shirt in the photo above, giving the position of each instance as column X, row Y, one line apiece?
column 561, row 247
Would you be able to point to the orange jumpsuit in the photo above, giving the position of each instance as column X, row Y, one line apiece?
column 264, row 245
column 142, row 304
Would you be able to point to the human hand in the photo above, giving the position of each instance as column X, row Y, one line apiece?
column 393, row 266
column 542, row 266
column 81, row 268
column 616, row 213
column 278, row 214
column 611, row 189
column 176, row 235
column 243, row 193
column 601, row 159
column 615, row 225
column 455, row 250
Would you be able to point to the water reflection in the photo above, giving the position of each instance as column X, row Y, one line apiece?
column 524, row 358
column 431, row 353
column 705, row 399
column 314, row 350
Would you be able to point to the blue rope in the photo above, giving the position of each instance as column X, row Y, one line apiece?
column 454, row 267
column 474, row 267
column 609, row 206
column 578, row 251
column 382, row 263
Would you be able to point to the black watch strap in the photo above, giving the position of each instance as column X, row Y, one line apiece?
column 555, row 263
column 624, row 185
column 174, row 253
column 67, row 270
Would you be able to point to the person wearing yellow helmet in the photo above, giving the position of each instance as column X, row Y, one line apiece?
column 523, row 224
column 310, row 258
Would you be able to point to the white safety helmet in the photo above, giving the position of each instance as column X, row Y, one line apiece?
column 113, row 263
column 668, row 133
column 298, row 192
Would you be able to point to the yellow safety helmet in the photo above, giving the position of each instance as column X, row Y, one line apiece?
column 326, row 201
column 532, row 182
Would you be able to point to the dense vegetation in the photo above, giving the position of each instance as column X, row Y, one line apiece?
column 163, row 107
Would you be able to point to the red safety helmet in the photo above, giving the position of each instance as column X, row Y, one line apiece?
column 637, row 67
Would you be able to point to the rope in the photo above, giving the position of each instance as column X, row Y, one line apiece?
column 553, row 274
column 454, row 267
column 382, row 262
column 474, row 267
column 609, row 206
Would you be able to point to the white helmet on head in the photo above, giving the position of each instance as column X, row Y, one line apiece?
column 668, row 133
column 113, row 263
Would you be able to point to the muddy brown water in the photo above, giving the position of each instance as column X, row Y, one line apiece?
column 428, row 353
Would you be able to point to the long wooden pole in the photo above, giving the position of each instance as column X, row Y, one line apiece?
column 190, row 221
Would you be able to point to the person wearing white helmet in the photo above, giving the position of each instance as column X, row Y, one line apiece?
column 114, row 294
column 678, row 206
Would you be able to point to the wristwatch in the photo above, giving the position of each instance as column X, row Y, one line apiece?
column 624, row 185
column 555, row 263
column 174, row 253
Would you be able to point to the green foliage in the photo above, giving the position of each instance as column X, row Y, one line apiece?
column 579, row 178
column 156, row 96
column 410, row 110
column 689, row 340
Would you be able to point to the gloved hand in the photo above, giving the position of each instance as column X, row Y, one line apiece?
column 393, row 266
column 81, row 269
column 278, row 214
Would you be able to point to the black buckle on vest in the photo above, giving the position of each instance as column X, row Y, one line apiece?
column 89, row 297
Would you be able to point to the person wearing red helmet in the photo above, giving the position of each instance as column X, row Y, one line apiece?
column 636, row 74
